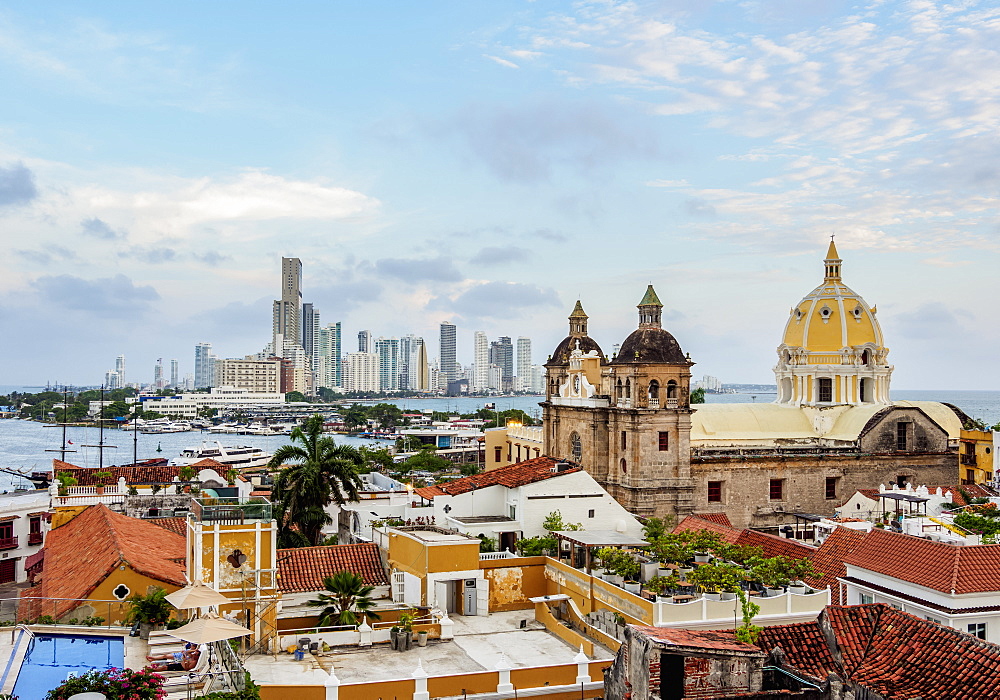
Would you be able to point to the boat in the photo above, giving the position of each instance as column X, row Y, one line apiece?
column 162, row 425
column 236, row 456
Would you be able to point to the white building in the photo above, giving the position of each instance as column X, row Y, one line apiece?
column 204, row 366
column 221, row 398
column 505, row 504
column 523, row 364
column 328, row 358
column 23, row 524
column 481, row 365
column 361, row 371
column 952, row 585
column 256, row 376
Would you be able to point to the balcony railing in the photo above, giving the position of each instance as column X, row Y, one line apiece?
column 968, row 460
column 35, row 538
column 228, row 511
column 671, row 403
column 654, row 402
column 8, row 542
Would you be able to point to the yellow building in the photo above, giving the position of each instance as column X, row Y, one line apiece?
column 512, row 444
column 975, row 457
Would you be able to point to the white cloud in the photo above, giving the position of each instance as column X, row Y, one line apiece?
column 501, row 61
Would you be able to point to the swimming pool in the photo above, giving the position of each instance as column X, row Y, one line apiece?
column 52, row 657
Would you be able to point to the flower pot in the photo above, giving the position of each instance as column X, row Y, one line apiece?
column 662, row 571
column 798, row 588
column 144, row 629
column 713, row 595
column 703, row 557
column 773, row 592
column 615, row 579
column 726, row 595
column 633, row 587
column 685, row 570
column 100, row 490
column 664, row 598
column 422, row 638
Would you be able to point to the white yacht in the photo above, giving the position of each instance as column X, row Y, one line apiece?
column 236, row 456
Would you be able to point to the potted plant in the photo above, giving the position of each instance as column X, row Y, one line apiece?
column 798, row 569
column 231, row 477
column 65, row 481
column 718, row 579
column 151, row 611
column 659, row 585
column 404, row 631
column 628, row 568
column 186, row 473
column 101, row 480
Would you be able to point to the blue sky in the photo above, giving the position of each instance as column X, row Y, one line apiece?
column 488, row 163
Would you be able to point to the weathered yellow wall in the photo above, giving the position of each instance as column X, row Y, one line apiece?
column 137, row 583
column 983, row 468
column 514, row 581
column 407, row 554
column 299, row 692
column 458, row 556
column 64, row 514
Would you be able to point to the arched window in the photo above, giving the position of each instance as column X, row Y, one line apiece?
column 624, row 466
column 628, row 388
column 671, row 389
column 654, row 389
column 866, row 357
column 618, row 390
column 576, row 447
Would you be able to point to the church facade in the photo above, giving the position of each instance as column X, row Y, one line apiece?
column 831, row 430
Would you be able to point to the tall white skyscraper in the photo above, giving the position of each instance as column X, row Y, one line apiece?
column 364, row 341
column 481, row 371
column 288, row 309
column 120, row 370
column 328, row 357
column 523, row 364
column 204, row 366
column 361, row 371
column 175, row 376
column 310, row 329
column 158, row 381
column 387, row 350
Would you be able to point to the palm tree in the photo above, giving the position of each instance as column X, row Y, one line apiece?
column 348, row 600
column 319, row 472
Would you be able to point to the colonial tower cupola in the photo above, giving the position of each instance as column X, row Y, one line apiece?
column 650, row 309
column 833, row 351
column 578, row 320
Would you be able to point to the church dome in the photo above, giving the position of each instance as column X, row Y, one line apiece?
column 577, row 338
column 832, row 317
column 649, row 343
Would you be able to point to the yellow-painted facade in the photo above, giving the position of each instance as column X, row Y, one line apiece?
column 975, row 457
column 512, row 444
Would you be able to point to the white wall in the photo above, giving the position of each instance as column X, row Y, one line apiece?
column 20, row 505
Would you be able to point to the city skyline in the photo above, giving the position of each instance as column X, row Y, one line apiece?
column 488, row 164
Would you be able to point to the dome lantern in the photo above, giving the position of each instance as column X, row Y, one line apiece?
column 650, row 310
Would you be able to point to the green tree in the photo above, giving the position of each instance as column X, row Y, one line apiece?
column 207, row 412
column 427, row 461
column 347, row 600
column 117, row 409
column 502, row 419
column 294, row 396
column 323, row 472
column 698, row 395
column 355, row 416
column 375, row 456
column 388, row 415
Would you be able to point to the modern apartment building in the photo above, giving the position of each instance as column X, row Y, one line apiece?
column 481, row 364
column 361, row 371
column 310, row 330
column 502, row 355
column 387, row 350
column 328, row 360
column 204, row 366
column 523, row 369
column 448, row 360
column 364, row 341
column 287, row 310
column 255, row 376
column 175, row 375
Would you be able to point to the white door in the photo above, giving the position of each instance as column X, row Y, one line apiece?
column 442, row 597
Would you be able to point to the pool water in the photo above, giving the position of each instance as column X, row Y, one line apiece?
column 51, row 658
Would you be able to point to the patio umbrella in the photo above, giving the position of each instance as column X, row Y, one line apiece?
column 196, row 595
column 210, row 628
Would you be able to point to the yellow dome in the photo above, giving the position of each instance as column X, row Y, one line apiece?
column 832, row 317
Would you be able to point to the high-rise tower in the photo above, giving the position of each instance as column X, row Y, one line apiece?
column 449, row 366
column 204, row 366
column 174, row 374
column 481, row 371
column 523, row 364
column 364, row 341
column 286, row 324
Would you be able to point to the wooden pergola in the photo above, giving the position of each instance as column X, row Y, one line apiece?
column 595, row 539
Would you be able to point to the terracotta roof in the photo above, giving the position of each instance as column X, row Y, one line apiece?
column 804, row 645
column 708, row 640
column 80, row 554
column 775, row 546
column 895, row 654
column 692, row 522
column 303, row 569
column 942, row 567
column 511, row 476
column 178, row 525
column 209, row 463
column 160, row 474
column 829, row 559
column 718, row 518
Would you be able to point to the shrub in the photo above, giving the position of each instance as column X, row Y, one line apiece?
column 114, row 683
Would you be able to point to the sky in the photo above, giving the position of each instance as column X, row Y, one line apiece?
column 488, row 163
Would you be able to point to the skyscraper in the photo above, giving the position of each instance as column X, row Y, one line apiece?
column 364, row 341
column 310, row 329
column 502, row 355
column 420, row 374
column 286, row 326
column 120, row 370
column 523, row 364
column 361, row 371
column 481, row 366
column 204, row 366
column 328, row 370
column 449, row 366
column 387, row 350
column 174, row 374
column 158, row 374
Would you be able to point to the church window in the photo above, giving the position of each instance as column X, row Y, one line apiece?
column 624, row 439
column 902, row 433
column 857, row 311
column 825, row 389
column 831, row 488
column 624, row 466
column 618, row 390
column 664, row 441
column 671, row 389
column 776, row 489
column 628, row 388
column 576, row 447
column 654, row 390
column 826, row 312
column 715, row 492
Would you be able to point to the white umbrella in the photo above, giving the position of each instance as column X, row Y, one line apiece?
column 210, row 628
column 196, row 595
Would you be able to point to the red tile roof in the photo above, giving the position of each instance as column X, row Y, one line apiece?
column 178, row 525
column 511, row 476
column 692, row 522
column 303, row 569
column 829, row 560
column 895, row 654
column 774, row 546
column 160, row 474
column 718, row 518
column 80, row 554
column 942, row 567
column 709, row 640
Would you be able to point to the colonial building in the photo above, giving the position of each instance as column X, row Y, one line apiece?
column 831, row 431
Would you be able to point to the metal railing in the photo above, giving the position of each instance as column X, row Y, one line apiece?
column 8, row 542
column 35, row 537
column 229, row 511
